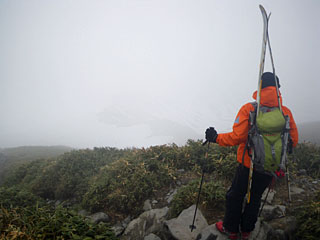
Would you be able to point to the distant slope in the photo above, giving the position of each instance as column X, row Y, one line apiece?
column 27, row 153
column 17, row 155
column 309, row 132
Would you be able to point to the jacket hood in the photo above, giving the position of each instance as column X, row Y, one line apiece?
column 268, row 97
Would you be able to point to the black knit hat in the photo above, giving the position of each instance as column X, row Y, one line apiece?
column 268, row 80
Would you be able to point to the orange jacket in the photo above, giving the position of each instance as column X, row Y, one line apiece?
column 239, row 134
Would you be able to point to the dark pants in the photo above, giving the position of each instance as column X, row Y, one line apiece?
column 234, row 216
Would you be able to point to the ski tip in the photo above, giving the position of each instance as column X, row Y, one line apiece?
column 262, row 9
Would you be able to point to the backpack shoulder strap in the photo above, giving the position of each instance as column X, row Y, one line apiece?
column 252, row 119
column 252, row 116
column 254, row 104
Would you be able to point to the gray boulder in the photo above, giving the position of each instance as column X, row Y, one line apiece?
column 126, row 221
column 118, row 229
column 277, row 234
column 99, row 217
column 147, row 205
column 211, row 233
column 83, row 213
column 270, row 212
column 296, row 190
column 148, row 222
column 171, row 194
column 260, row 231
column 283, row 228
column 152, row 236
column 270, row 196
column 179, row 228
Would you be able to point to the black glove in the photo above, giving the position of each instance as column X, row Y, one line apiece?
column 211, row 135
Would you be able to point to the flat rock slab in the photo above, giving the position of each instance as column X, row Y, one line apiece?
column 179, row 227
column 211, row 233
column 151, row 236
column 269, row 197
column 148, row 222
column 270, row 212
column 295, row 190
column 99, row 217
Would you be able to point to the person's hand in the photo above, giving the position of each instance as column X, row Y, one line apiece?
column 211, row 135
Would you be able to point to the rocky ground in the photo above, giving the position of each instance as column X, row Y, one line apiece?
column 277, row 220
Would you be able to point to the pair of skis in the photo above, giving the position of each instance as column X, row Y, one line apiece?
column 265, row 42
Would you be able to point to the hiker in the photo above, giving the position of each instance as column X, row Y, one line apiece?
column 238, row 220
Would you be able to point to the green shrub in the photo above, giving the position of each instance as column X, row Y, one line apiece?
column 119, row 181
column 308, row 220
column 225, row 165
column 307, row 156
column 66, row 177
column 123, row 186
column 16, row 197
column 26, row 216
column 48, row 223
column 212, row 195
column 26, row 173
column 221, row 162
column 73, row 170
column 184, row 157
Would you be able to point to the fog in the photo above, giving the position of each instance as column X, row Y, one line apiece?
column 138, row 73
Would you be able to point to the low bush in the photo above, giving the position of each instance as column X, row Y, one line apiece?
column 48, row 223
column 26, row 173
column 17, row 197
column 25, row 216
column 212, row 195
column 308, row 220
column 123, row 186
column 307, row 156
column 66, row 177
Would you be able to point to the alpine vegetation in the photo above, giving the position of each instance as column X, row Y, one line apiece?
column 66, row 192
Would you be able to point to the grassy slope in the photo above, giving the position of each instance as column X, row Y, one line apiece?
column 14, row 156
column 119, row 181
column 27, row 153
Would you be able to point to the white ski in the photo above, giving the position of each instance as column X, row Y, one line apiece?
column 265, row 18
column 265, row 37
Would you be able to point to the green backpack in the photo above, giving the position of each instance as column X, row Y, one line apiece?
column 266, row 138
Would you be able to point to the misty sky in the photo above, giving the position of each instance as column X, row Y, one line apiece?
column 144, row 72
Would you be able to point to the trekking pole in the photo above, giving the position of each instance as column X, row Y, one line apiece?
column 264, row 202
column 284, row 163
column 287, row 170
column 265, row 199
column 250, row 181
column 192, row 226
column 288, row 184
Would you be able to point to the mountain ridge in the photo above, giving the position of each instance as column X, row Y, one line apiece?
column 23, row 154
column 309, row 132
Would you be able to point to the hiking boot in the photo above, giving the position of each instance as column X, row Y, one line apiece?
column 245, row 235
column 231, row 235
